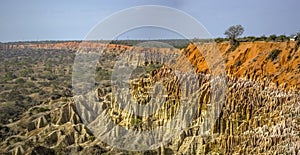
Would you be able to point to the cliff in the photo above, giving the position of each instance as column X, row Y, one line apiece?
column 259, row 61
column 259, row 114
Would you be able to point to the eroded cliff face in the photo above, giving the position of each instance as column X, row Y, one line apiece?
column 255, row 116
column 54, row 127
column 254, row 61
column 254, row 119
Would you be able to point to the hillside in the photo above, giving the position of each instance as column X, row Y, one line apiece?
column 258, row 108
column 255, row 61
column 275, row 61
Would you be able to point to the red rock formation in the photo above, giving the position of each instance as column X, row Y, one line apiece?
column 250, row 60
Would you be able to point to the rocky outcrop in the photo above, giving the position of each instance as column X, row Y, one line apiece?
column 255, row 116
column 55, row 131
column 252, row 121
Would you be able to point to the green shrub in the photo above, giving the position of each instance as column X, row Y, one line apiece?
column 274, row 54
column 238, row 63
column 262, row 38
column 282, row 38
column 233, row 47
column 20, row 81
column 37, row 110
column 289, row 57
column 26, row 72
column 272, row 37
column 10, row 76
column 152, row 67
column 219, row 40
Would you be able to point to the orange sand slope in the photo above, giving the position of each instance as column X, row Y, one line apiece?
column 250, row 60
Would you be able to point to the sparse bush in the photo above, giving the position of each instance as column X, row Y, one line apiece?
column 29, row 84
column 9, row 111
column 247, row 39
column 20, row 81
column 50, row 76
column 289, row 57
column 272, row 37
column 274, row 54
column 219, row 40
column 238, row 63
column 26, row 72
column 262, row 38
column 37, row 110
column 233, row 47
column 55, row 96
column 10, row 76
column 282, row 38
column 152, row 67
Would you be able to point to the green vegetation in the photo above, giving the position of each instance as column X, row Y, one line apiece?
column 238, row 63
column 29, row 77
column 271, row 38
column 9, row 76
column 274, row 54
column 176, row 43
column 233, row 47
column 140, row 71
column 233, row 32
column 152, row 67
column 37, row 110
column 135, row 122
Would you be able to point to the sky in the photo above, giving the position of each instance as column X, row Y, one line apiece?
column 33, row 20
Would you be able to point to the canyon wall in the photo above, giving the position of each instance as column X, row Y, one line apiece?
column 254, row 60
column 258, row 112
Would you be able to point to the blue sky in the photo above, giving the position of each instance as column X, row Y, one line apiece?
column 71, row 20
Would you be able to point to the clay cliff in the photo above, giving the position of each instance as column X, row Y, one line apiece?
column 258, row 111
column 259, row 61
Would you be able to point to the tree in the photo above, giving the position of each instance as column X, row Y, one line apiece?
column 263, row 38
column 233, row 32
column 272, row 37
column 282, row 38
